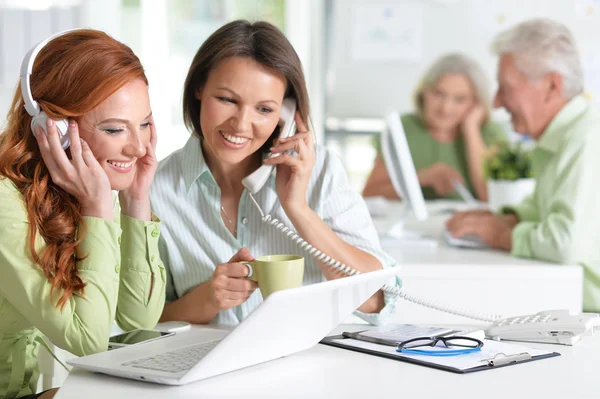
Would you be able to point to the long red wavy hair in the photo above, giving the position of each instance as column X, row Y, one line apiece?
column 72, row 75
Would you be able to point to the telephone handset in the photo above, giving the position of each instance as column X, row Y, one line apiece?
column 287, row 127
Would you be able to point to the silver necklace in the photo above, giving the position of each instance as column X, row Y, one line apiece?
column 229, row 220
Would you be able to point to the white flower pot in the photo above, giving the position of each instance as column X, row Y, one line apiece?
column 507, row 192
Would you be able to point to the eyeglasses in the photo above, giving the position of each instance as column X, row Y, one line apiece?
column 467, row 345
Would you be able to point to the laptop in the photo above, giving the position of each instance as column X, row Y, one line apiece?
column 287, row 322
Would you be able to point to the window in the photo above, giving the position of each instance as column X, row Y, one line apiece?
column 167, row 35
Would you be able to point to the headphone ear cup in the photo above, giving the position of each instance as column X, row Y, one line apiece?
column 39, row 120
column 63, row 133
column 61, row 125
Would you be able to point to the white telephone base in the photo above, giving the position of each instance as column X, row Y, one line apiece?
column 551, row 326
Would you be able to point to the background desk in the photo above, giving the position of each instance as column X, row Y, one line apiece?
column 487, row 281
column 327, row 372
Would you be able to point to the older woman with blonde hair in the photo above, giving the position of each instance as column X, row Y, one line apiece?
column 448, row 134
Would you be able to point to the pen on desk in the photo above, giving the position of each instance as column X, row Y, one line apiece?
column 464, row 193
column 358, row 336
column 506, row 359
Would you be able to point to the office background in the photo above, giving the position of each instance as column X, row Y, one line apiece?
column 361, row 58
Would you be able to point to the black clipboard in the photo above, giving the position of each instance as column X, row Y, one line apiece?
column 331, row 341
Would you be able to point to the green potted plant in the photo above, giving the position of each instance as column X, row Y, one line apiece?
column 509, row 174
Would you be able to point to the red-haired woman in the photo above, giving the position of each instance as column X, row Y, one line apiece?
column 70, row 264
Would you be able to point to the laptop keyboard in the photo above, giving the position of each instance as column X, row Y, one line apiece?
column 174, row 361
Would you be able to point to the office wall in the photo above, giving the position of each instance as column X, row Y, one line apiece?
column 378, row 49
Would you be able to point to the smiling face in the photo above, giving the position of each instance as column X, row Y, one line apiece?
column 446, row 104
column 239, row 109
column 524, row 100
column 118, row 132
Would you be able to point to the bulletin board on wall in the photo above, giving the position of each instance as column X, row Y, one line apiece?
column 379, row 49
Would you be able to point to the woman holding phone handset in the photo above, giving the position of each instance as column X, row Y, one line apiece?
column 232, row 101
column 68, row 268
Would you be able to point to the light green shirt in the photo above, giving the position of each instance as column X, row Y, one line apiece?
column 426, row 151
column 560, row 221
column 124, row 277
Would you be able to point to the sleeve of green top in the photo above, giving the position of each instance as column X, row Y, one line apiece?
column 564, row 233
column 83, row 325
column 492, row 133
column 170, row 293
column 525, row 211
column 142, row 286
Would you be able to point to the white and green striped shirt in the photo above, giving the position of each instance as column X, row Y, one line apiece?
column 194, row 239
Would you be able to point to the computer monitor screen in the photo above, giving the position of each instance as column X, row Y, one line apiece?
column 400, row 166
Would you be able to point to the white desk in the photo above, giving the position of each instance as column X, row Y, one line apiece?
column 477, row 280
column 480, row 280
column 327, row 372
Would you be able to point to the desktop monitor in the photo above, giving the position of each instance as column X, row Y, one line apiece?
column 400, row 167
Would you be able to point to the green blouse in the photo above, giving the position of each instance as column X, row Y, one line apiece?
column 125, row 281
column 426, row 151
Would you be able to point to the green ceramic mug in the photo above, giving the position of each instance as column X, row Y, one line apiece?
column 276, row 272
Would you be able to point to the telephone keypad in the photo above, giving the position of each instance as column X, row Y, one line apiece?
column 529, row 319
column 537, row 318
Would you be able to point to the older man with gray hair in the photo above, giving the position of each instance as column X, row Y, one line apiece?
column 540, row 83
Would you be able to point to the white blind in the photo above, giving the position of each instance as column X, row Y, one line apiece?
column 23, row 25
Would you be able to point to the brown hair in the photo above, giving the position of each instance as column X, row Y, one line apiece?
column 72, row 74
column 259, row 41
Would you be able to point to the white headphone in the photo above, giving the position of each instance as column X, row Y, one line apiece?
column 39, row 117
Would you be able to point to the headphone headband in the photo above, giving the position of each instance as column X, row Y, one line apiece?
column 31, row 106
